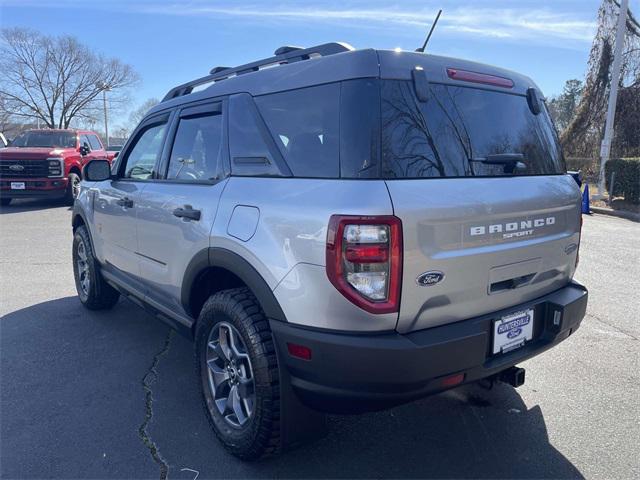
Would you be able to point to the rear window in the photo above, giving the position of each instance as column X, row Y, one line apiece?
column 459, row 131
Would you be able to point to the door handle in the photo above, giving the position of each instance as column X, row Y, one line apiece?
column 125, row 202
column 187, row 212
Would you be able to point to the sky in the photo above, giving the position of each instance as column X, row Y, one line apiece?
column 170, row 42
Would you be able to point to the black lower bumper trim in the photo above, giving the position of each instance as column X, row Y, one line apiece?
column 353, row 372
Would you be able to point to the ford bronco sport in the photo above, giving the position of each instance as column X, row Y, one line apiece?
column 339, row 230
column 47, row 163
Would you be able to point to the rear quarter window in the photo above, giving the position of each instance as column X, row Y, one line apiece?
column 251, row 147
column 305, row 126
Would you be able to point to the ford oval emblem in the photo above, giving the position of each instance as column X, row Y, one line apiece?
column 16, row 167
column 514, row 333
column 428, row 279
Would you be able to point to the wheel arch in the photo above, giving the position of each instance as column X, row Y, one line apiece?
column 78, row 220
column 75, row 168
column 214, row 269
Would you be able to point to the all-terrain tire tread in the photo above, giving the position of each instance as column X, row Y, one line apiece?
column 102, row 296
column 244, row 306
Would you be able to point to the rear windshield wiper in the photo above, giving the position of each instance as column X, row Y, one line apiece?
column 513, row 162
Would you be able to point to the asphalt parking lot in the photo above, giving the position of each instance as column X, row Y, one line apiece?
column 73, row 402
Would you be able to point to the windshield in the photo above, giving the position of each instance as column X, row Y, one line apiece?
column 462, row 132
column 51, row 139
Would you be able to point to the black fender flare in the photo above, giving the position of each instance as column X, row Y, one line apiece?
column 223, row 258
column 78, row 213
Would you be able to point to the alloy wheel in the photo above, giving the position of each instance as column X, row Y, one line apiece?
column 84, row 279
column 75, row 187
column 230, row 375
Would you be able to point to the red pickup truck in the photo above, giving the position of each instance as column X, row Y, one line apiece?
column 47, row 163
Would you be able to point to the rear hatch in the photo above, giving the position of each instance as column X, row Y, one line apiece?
column 490, row 219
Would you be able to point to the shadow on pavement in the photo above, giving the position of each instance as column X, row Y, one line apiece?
column 72, row 403
column 32, row 205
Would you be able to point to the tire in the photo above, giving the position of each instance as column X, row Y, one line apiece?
column 238, row 311
column 73, row 188
column 4, row 202
column 94, row 292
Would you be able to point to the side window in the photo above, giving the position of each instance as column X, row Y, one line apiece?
column 250, row 153
column 197, row 149
column 84, row 142
column 305, row 125
column 141, row 158
column 94, row 142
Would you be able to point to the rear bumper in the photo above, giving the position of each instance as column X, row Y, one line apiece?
column 354, row 373
column 34, row 188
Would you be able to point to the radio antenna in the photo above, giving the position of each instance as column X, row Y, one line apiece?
column 424, row 45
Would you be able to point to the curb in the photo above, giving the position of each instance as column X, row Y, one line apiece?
column 634, row 217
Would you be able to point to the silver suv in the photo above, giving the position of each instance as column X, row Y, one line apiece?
column 339, row 230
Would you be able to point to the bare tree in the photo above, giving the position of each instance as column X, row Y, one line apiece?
column 563, row 107
column 582, row 136
column 56, row 79
column 5, row 116
column 138, row 114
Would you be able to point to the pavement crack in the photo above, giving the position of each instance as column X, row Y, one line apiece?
column 147, row 381
column 614, row 327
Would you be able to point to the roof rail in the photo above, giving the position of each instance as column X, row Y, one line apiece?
column 283, row 55
column 218, row 70
column 286, row 49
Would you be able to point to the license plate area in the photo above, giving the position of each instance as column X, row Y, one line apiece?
column 512, row 331
column 18, row 186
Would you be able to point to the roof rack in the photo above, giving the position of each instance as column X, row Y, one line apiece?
column 283, row 55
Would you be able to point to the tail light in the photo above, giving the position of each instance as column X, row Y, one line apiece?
column 364, row 260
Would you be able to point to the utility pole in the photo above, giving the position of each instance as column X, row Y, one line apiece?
column 105, row 87
column 106, row 120
column 605, row 147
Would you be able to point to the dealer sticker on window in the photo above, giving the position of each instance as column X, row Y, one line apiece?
column 512, row 331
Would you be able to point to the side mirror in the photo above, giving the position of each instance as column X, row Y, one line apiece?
column 97, row 171
column 84, row 150
column 116, row 154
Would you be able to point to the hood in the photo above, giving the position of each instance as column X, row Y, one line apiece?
column 34, row 153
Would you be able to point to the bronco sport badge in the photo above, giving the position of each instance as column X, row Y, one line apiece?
column 520, row 228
